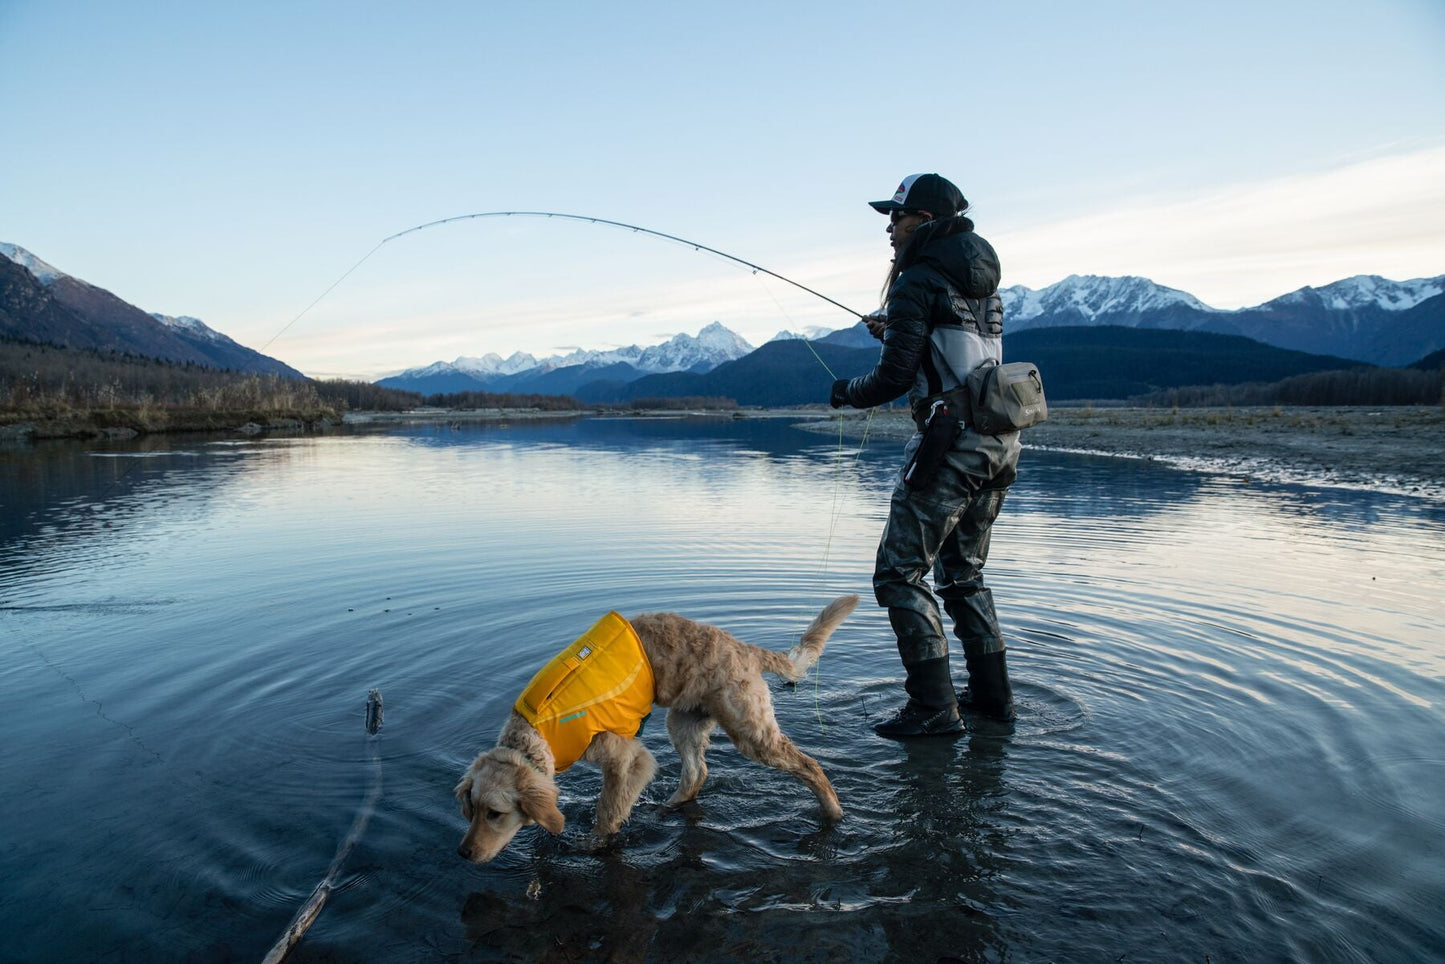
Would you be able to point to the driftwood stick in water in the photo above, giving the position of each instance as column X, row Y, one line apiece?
column 309, row 911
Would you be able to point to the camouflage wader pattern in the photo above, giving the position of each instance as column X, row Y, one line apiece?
column 944, row 529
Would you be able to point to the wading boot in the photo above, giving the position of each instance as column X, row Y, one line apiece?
column 930, row 710
column 988, row 692
column 915, row 719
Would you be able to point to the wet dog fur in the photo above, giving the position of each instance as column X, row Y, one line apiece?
column 706, row 678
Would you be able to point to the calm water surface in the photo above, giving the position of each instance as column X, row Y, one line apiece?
column 1229, row 745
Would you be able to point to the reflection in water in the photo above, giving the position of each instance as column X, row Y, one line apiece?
column 1229, row 702
column 682, row 895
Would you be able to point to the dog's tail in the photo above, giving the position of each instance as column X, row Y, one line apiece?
column 794, row 665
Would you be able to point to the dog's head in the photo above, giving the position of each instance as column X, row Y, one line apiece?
column 500, row 794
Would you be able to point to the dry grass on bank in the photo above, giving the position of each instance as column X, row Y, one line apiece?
column 48, row 392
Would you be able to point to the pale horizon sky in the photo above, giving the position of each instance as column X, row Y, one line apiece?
column 231, row 161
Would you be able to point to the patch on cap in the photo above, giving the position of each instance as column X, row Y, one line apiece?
column 901, row 195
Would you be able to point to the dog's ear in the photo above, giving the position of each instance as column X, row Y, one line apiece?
column 540, row 803
column 464, row 796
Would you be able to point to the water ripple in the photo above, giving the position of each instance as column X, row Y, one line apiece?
column 1229, row 707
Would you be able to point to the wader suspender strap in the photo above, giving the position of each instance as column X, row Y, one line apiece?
column 958, row 396
column 953, row 296
column 930, row 370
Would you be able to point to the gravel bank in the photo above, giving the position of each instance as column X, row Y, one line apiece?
column 1390, row 449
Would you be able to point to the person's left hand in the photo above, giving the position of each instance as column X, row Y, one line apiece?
column 877, row 322
column 839, row 396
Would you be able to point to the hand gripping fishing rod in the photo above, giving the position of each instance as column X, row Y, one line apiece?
column 696, row 246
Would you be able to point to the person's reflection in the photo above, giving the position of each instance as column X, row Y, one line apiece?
column 947, row 848
column 677, row 887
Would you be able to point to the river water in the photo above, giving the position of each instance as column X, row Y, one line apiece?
column 1229, row 744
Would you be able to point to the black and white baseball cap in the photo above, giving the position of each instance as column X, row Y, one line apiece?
column 924, row 192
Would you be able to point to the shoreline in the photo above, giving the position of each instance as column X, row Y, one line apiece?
column 126, row 423
column 1395, row 449
column 1392, row 449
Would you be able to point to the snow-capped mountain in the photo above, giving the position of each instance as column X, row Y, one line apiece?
column 1368, row 318
column 1365, row 291
column 194, row 327
column 44, row 273
column 41, row 303
column 811, row 333
column 493, row 364
column 1091, row 298
column 712, row 346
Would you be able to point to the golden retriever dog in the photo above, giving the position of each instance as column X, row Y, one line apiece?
column 706, row 678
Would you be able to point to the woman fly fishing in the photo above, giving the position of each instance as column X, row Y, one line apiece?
column 941, row 319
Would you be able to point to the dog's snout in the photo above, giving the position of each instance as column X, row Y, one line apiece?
column 464, row 852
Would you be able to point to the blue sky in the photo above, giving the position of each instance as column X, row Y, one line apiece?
column 230, row 161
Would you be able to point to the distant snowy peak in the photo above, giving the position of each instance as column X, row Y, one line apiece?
column 712, row 346
column 1093, row 296
column 493, row 364
column 44, row 273
column 193, row 326
column 811, row 333
column 438, row 368
column 1365, row 290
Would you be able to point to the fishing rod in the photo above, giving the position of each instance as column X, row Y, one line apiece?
column 695, row 245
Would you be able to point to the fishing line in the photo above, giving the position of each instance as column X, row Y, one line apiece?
column 828, row 545
column 695, row 245
column 794, row 329
column 834, row 511
column 637, row 229
column 323, row 294
column 74, row 684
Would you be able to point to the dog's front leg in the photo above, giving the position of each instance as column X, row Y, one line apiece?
column 627, row 767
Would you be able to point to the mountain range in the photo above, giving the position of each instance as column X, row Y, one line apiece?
column 1360, row 319
column 43, row 304
column 1366, row 318
column 1078, row 363
column 522, row 373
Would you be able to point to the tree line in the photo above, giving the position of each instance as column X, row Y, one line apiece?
column 1356, row 386
column 544, row 403
column 691, row 402
column 354, row 396
column 38, row 378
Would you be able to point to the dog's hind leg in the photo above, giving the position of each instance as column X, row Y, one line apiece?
column 690, row 731
column 754, row 731
column 627, row 767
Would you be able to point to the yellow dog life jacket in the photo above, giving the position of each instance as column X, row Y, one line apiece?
column 602, row 682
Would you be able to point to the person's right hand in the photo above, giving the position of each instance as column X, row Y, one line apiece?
column 876, row 321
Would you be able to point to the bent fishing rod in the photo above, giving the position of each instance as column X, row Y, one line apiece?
column 695, row 245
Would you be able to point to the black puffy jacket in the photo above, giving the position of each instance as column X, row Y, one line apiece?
column 944, row 316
